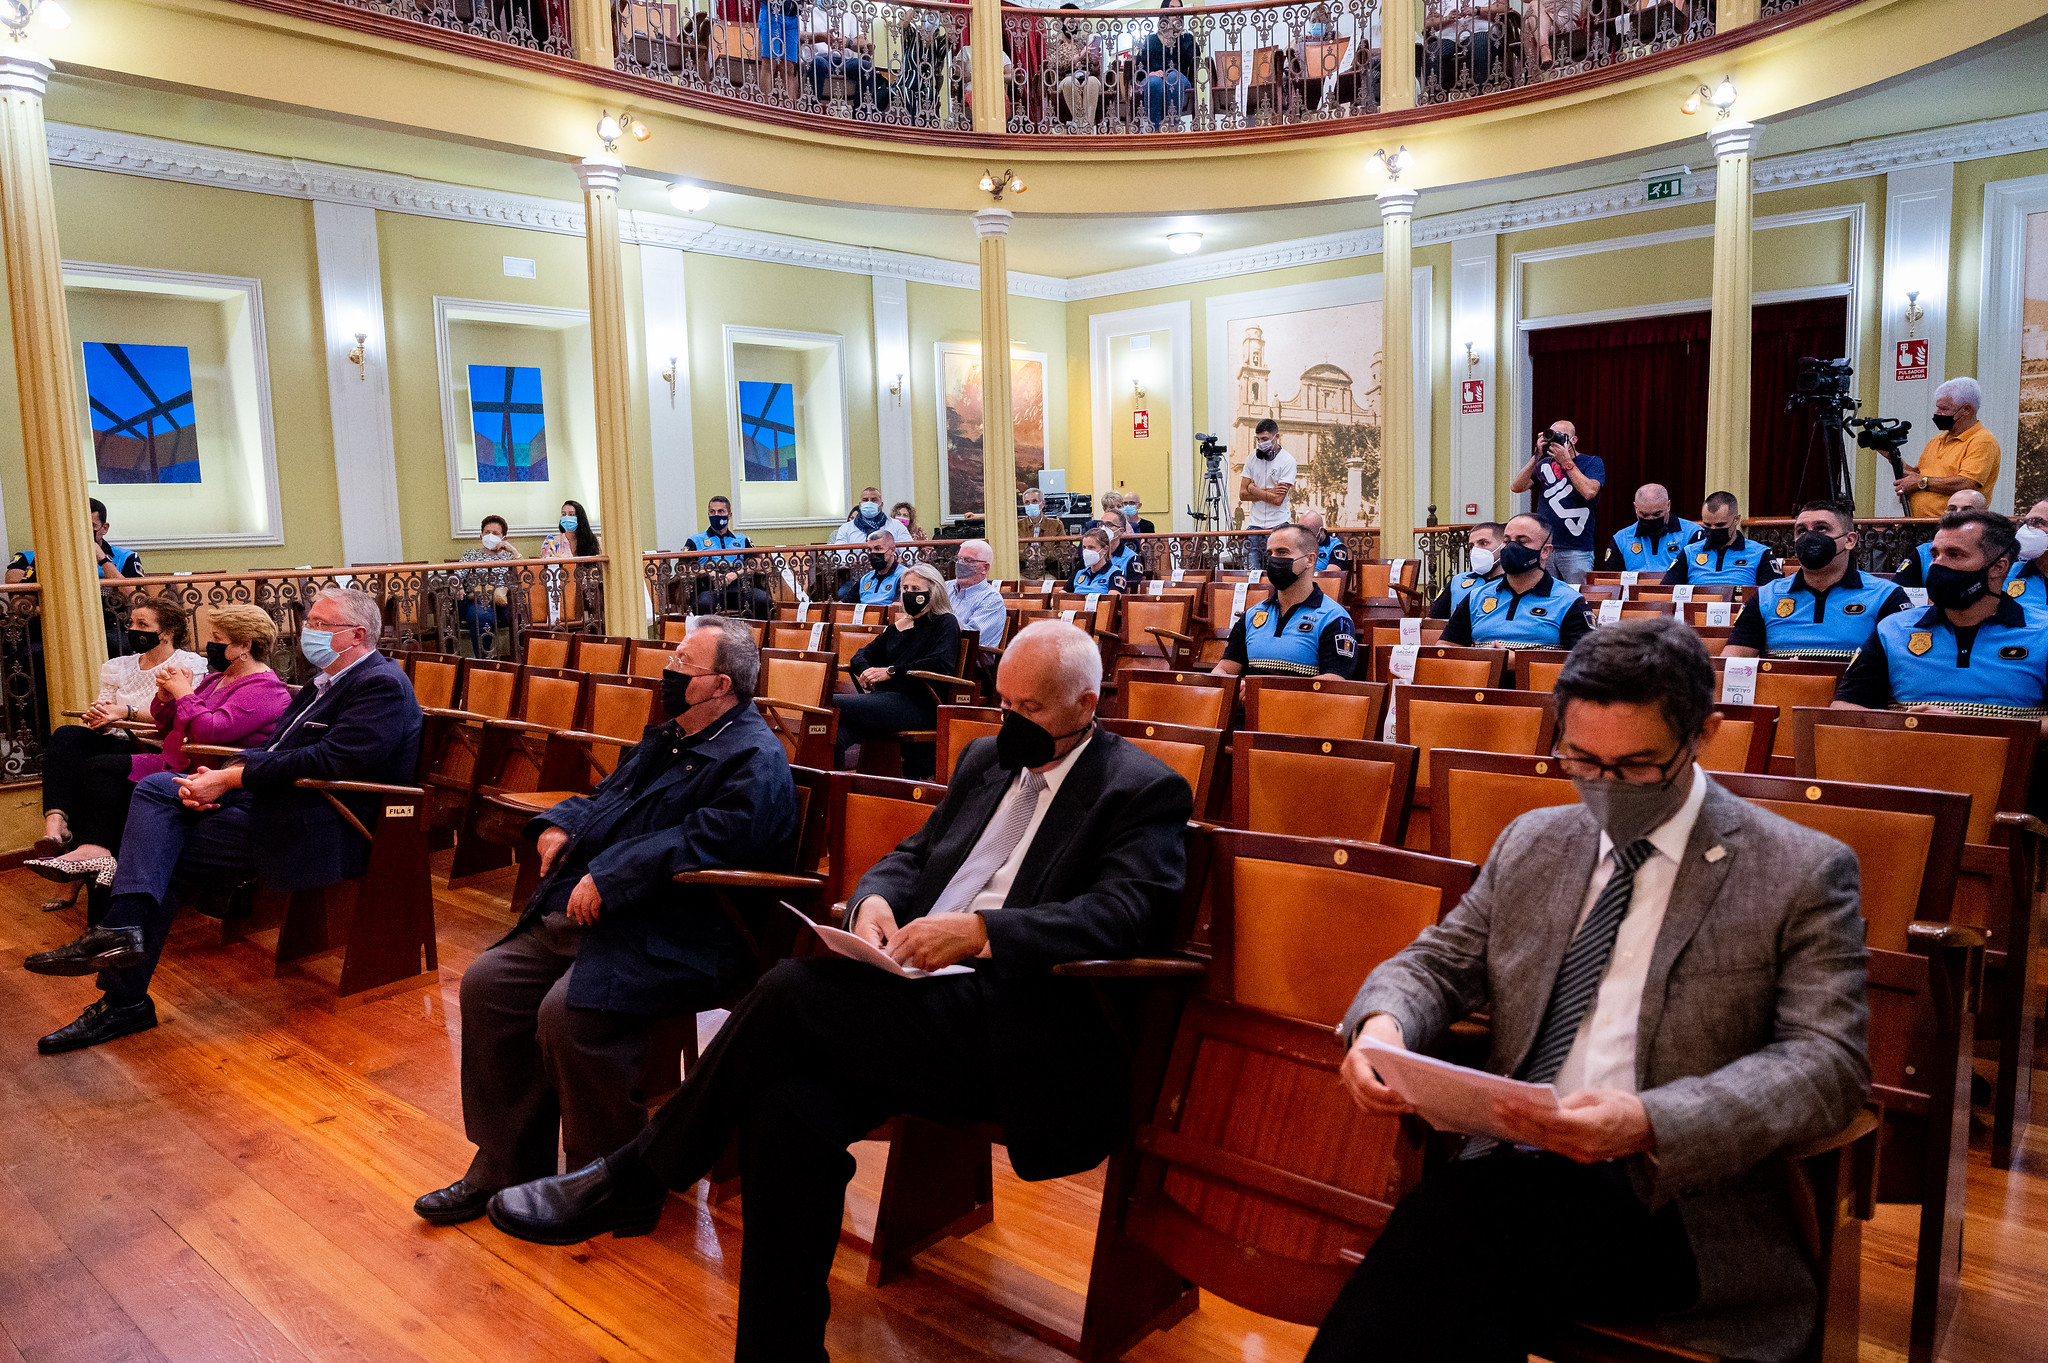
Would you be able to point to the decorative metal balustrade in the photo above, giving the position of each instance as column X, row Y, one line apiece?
column 1468, row 48
column 537, row 25
column 1202, row 69
column 884, row 62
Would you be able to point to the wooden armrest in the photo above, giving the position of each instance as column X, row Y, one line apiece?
column 360, row 787
column 214, row 750
column 1159, row 632
column 437, row 712
column 1136, row 968
column 585, row 737
column 133, row 726
column 797, row 705
column 948, row 679
column 1861, row 1125
column 519, row 726
column 1937, row 935
column 749, row 880
column 2022, row 823
column 72, row 714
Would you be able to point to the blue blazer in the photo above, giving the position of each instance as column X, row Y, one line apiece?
column 364, row 727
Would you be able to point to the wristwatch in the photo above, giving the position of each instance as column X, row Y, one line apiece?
column 1923, row 482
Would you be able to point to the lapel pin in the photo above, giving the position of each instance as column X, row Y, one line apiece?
column 1716, row 853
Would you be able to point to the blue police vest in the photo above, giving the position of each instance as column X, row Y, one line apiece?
column 1847, row 615
column 2025, row 585
column 1656, row 555
column 880, row 591
column 708, row 540
column 122, row 558
column 1925, row 553
column 1706, row 567
column 1532, row 622
column 1126, row 561
column 1290, row 645
column 1102, row 579
column 1332, row 545
column 2006, row 675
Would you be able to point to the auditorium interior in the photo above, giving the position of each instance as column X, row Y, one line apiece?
column 445, row 250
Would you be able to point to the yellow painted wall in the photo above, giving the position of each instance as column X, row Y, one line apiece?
column 1144, row 465
column 1966, row 249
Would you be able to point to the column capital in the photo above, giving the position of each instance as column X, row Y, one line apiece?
column 1735, row 138
column 599, row 174
column 1397, row 203
column 993, row 222
column 24, row 71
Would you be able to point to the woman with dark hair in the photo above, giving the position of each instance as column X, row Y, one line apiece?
column 1167, row 62
column 578, row 538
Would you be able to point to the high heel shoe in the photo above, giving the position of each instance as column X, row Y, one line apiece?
column 64, row 870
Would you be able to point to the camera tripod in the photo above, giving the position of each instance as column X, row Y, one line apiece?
column 1827, row 438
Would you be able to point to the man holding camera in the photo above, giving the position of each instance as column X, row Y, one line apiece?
column 1964, row 455
column 1567, row 485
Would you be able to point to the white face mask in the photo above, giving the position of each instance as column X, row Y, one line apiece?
column 493, row 541
column 1091, row 557
column 1483, row 560
column 2033, row 543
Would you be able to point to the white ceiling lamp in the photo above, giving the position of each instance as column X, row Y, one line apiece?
column 1183, row 243
column 689, row 198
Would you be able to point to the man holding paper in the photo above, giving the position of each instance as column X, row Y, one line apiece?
column 1825, row 611
column 1056, row 842
column 1686, row 972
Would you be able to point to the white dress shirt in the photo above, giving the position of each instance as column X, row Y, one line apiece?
column 1603, row 1055
column 999, row 886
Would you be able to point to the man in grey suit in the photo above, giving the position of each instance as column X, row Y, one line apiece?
column 1688, row 971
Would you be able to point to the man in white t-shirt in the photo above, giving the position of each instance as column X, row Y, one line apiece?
column 1267, row 486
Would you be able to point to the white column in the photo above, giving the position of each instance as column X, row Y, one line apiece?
column 998, row 429
column 1728, row 347
column 1918, row 204
column 1475, row 317
column 1399, row 484
column 358, row 395
column 677, row 510
column 898, row 473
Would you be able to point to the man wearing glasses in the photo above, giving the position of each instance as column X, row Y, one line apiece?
column 1687, row 971
column 573, row 1024
column 1825, row 611
column 1297, row 631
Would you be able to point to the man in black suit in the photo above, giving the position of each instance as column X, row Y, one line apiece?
column 358, row 721
column 573, row 1024
column 1056, row 842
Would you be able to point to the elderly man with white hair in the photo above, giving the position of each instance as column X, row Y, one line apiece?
column 977, row 602
column 1963, row 456
column 1057, row 841
column 220, row 826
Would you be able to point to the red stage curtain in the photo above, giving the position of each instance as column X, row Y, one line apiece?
column 1782, row 335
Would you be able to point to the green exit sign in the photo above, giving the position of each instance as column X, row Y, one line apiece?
column 1664, row 184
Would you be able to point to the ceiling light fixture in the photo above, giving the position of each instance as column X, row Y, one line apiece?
column 17, row 13
column 689, row 198
column 995, row 185
column 1183, row 243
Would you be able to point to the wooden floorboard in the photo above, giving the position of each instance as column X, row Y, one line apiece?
column 237, row 1184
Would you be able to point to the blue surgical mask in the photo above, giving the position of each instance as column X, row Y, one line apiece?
column 568, row 524
column 870, row 508
column 318, row 646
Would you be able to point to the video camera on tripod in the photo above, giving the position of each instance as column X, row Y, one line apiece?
column 1885, row 434
column 1214, row 452
column 1822, row 388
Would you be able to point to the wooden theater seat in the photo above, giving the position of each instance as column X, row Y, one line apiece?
column 1488, row 720
column 1788, row 684
column 959, row 725
column 1744, row 740
column 1444, row 665
column 1315, row 707
column 1476, row 795
column 1346, row 789
column 1191, row 752
column 1194, row 700
column 794, row 695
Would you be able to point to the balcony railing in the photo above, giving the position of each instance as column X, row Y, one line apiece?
column 537, row 25
column 1468, row 48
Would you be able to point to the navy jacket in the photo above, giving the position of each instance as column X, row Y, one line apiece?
column 723, row 800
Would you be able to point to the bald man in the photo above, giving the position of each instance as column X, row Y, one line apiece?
column 1913, row 572
column 1653, row 543
column 1567, row 484
column 977, row 602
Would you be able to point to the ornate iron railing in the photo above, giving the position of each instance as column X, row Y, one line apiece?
column 896, row 62
column 537, row 25
column 1093, row 72
column 1467, row 48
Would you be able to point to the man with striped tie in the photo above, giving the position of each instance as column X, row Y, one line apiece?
column 1688, row 971
column 1057, row 841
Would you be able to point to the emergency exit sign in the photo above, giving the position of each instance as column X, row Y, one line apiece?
column 1659, row 185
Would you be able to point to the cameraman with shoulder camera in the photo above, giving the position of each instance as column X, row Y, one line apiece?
column 1567, row 485
column 1964, row 455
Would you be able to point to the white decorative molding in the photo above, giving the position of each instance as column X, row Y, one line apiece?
column 1475, row 309
column 358, row 394
column 2007, row 206
column 1919, row 204
column 1225, row 264
column 893, row 425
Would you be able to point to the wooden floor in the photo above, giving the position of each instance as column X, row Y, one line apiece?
column 237, row 1185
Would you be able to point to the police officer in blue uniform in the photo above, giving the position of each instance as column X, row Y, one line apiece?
column 1098, row 570
column 1656, row 539
column 1330, row 551
column 1825, row 611
column 1297, row 631
column 877, row 586
column 723, row 587
column 2027, row 583
column 1974, row 650
column 1123, row 553
column 1912, row 571
column 109, row 560
column 1482, row 551
column 1525, row 607
column 1721, row 556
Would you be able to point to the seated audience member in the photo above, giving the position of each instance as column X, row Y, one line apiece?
column 1133, row 523
column 865, row 519
column 977, row 602
column 905, row 515
column 573, row 1025
column 1825, row 611
column 1034, row 522
column 1688, row 971
column 578, row 537
column 1097, row 571
column 1167, row 63
column 1330, row 550
column 1913, row 568
column 877, row 586
column 1963, row 455
column 1483, row 543
column 1657, row 538
column 924, row 637
column 725, row 585
column 109, row 560
column 851, row 57
column 1075, row 58
column 1123, row 553
column 2025, row 583
column 1719, row 556
column 1525, row 607
column 1109, row 501
column 219, row 826
column 1056, row 842
column 486, row 595
column 1297, row 631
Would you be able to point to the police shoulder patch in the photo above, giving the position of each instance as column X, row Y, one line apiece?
column 1853, row 608
column 1346, row 646
column 1919, row 641
column 1905, row 564
column 1259, row 619
column 1785, row 607
column 1700, row 559
column 2013, row 652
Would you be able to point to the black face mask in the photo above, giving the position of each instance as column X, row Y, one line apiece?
column 878, row 561
column 1025, row 743
column 1815, row 550
column 143, row 640
column 1284, row 572
column 1516, row 559
column 915, row 602
column 216, row 657
column 1944, row 423
column 718, row 524
column 1954, row 588
column 1650, row 527
column 1720, row 537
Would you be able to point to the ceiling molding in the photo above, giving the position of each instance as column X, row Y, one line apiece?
column 1226, row 264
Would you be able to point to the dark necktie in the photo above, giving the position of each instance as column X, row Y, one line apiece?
column 1585, row 962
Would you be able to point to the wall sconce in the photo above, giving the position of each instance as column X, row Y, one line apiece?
column 994, row 186
column 1915, row 314
column 356, row 357
column 1722, row 97
column 18, row 12
column 896, row 390
column 1471, row 356
column 609, row 131
column 1137, row 391
column 1391, row 164
column 669, row 376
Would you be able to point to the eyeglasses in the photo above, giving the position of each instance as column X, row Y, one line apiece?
column 2038, row 522
column 685, row 672
column 1634, row 773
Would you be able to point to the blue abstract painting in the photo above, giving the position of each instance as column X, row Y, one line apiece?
column 768, row 431
column 509, row 417
column 142, row 418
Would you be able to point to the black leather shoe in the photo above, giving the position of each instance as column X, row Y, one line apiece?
column 103, row 1020
column 571, row 1208
column 96, row 950
column 458, row 1202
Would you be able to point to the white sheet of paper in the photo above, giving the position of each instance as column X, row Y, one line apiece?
column 1237, row 601
column 860, row 614
column 1394, row 573
column 1718, row 613
column 1178, row 573
column 1451, row 1097
column 1156, row 587
column 1401, row 662
column 1258, row 575
column 1918, row 596
column 803, row 613
column 842, row 943
column 1411, row 630
column 1630, row 576
column 817, row 638
column 1738, row 681
column 1610, row 611
column 1048, row 584
column 1682, row 593
column 998, row 584
column 1094, row 599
